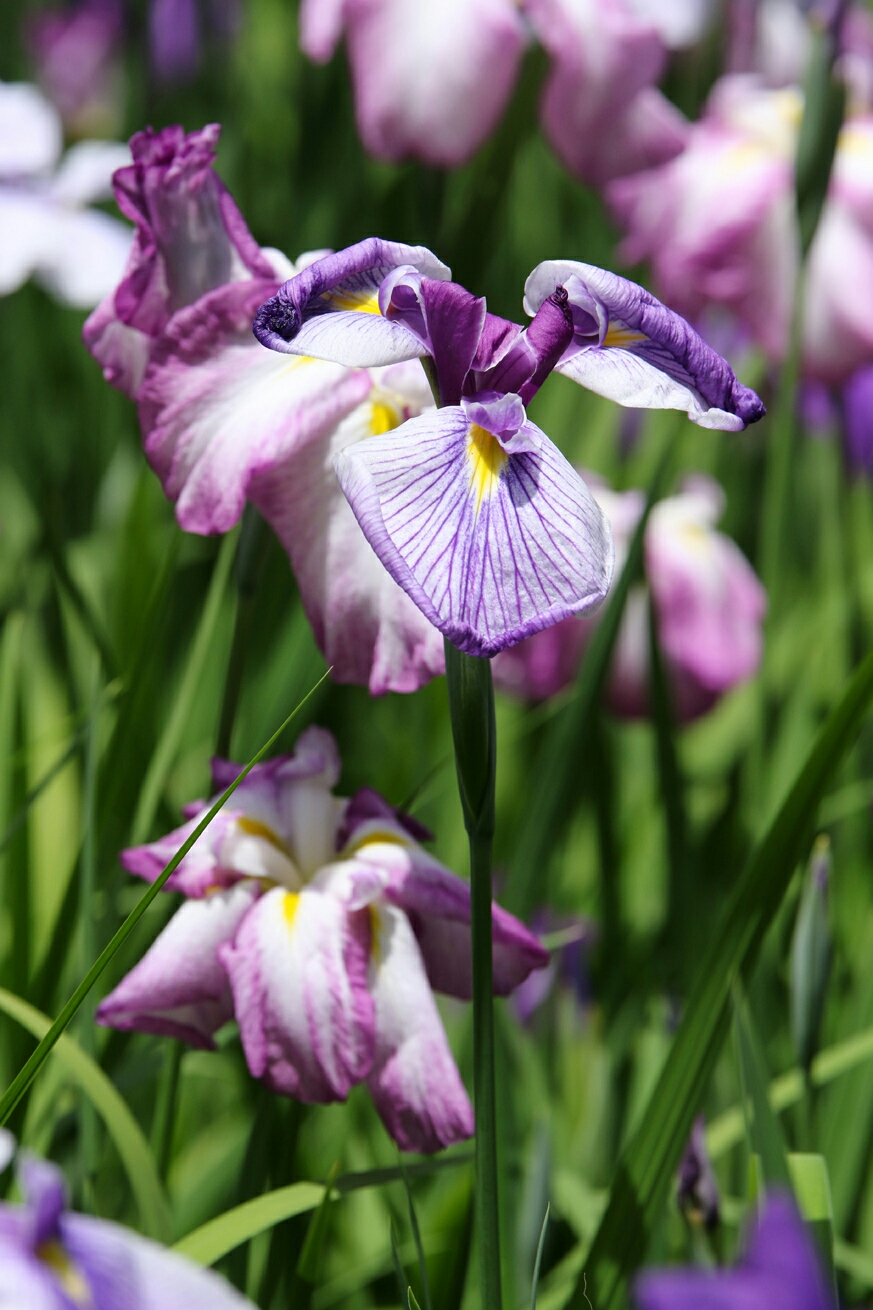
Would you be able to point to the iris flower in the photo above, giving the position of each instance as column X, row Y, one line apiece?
column 322, row 925
column 47, row 230
column 780, row 1270
column 709, row 607
column 53, row 1259
column 471, row 509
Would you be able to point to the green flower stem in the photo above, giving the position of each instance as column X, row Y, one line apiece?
column 471, row 709
column 250, row 552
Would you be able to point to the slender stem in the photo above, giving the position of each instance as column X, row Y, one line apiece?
column 164, row 1119
column 247, row 570
column 88, row 1115
column 471, row 709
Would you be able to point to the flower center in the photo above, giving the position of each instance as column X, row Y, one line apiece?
column 487, row 461
column 72, row 1281
column 358, row 302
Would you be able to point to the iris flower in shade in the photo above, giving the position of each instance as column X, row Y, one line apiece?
column 433, row 80
column 224, row 420
column 472, row 510
column 46, row 229
column 718, row 225
column 77, row 54
column 322, row 925
column 709, row 608
column 780, row 1270
column 54, row 1259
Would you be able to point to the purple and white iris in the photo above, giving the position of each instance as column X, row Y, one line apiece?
column 780, row 1270
column 322, row 925
column 53, row 1259
column 224, row 420
column 471, row 509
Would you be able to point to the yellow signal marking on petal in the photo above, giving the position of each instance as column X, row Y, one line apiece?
column 290, row 906
column 619, row 335
column 255, row 828
column 487, row 461
column 71, row 1280
column 383, row 418
column 358, row 302
column 377, row 835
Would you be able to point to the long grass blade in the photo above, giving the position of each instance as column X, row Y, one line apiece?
column 24, row 1078
column 651, row 1155
column 122, row 1127
column 541, row 1245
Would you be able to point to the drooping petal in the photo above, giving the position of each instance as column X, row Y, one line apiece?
column 333, row 309
column 179, row 988
column 490, row 545
column 86, row 256
column 600, row 109
column 544, row 664
column 217, row 410
column 368, row 629
column 437, row 903
column 30, row 131
column 86, row 170
column 632, row 349
column 201, row 868
column 432, row 80
column 26, row 1281
column 298, row 971
column 129, row 1272
column 414, row 1080
column 321, row 26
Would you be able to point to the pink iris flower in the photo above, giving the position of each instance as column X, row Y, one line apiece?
column 224, row 420
column 77, row 53
column 717, row 224
column 432, row 80
column 322, row 925
column 709, row 608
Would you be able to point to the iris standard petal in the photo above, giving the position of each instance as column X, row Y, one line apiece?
column 216, row 409
column 414, row 1081
column 179, row 988
column 432, row 80
column 331, row 310
column 31, row 136
column 368, row 629
column 632, row 349
column 437, row 903
column 298, row 971
column 128, row 1272
column 491, row 546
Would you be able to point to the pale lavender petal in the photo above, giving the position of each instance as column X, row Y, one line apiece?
column 490, row 546
column 600, row 110
column 86, row 170
column 321, row 26
column 217, row 410
column 128, row 1272
column 298, row 971
column 121, row 351
column 27, row 230
column 31, row 136
column 77, row 53
column 632, row 349
column 45, row 1194
column 414, row 1080
column 179, row 988
column 368, row 629
column 25, row 1282
column 432, row 80
column 837, row 332
column 84, row 257
column 331, row 310
column 437, row 903
column 199, row 871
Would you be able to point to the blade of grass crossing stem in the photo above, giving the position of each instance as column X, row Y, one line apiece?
column 763, row 1128
column 560, row 759
column 539, row 1260
column 168, row 743
column 24, row 1078
column 416, row 1237
column 474, row 734
column 647, row 1164
column 122, row 1127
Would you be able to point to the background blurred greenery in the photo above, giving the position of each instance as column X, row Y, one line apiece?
column 110, row 652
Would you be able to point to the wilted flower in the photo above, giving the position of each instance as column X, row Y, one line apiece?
column 779, row 1271
column 433, row 80
column 709, row 609
column 54, row 1259
column 471, row 509
column 224, row 420
column 76, row 52
column 718, row 225
column 322, row 925
column 46, row 231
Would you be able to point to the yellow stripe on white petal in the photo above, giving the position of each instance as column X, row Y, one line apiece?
column 620, row 336
column 290, row 906
column 383, row 418
column 356, row 302
column 487, row 460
